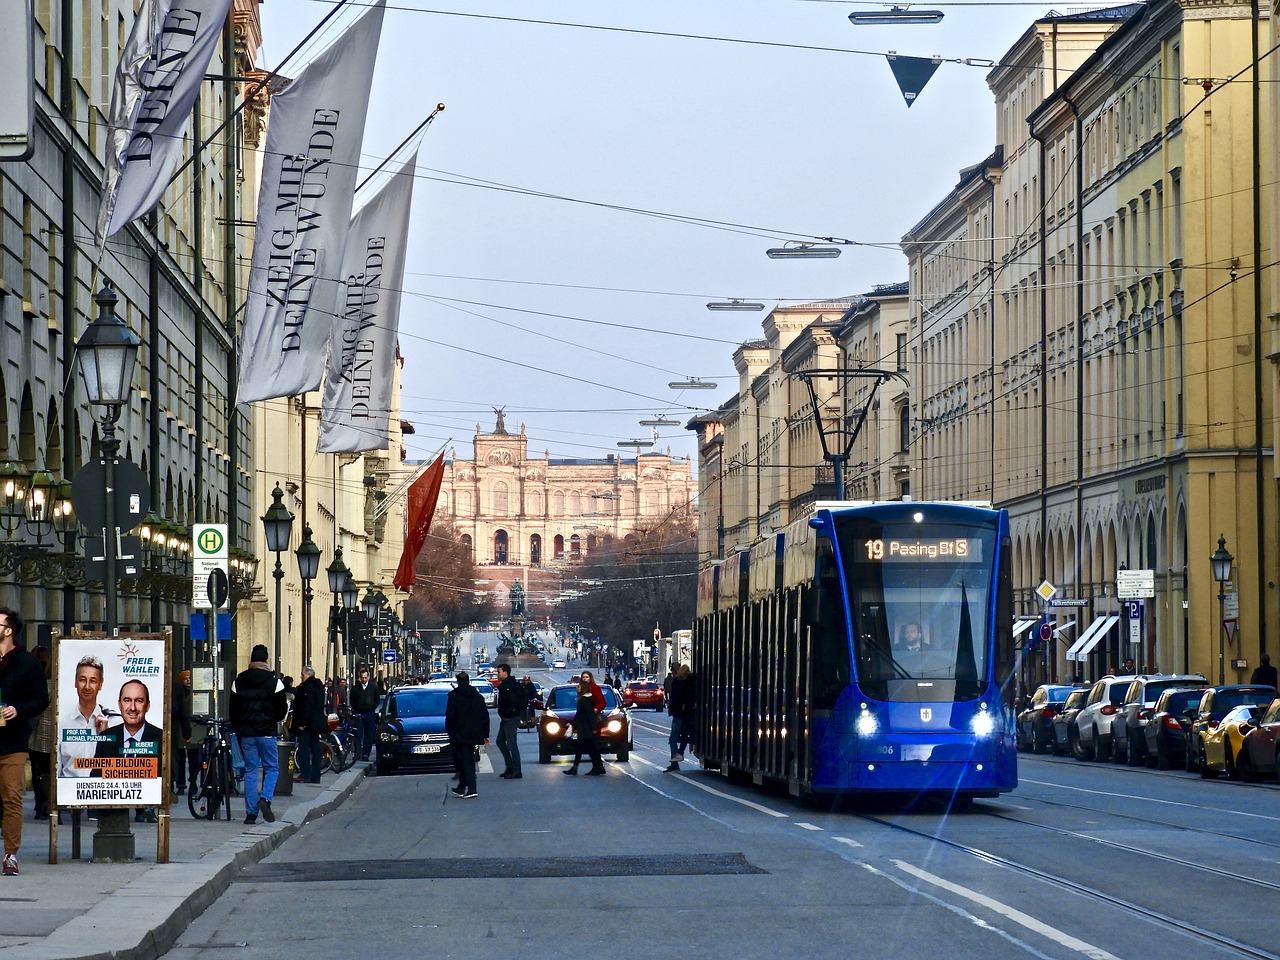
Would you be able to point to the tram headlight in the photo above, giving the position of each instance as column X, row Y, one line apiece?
column 867, row 723
column 983, row 724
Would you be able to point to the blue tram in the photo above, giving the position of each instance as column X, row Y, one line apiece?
column 866, row 647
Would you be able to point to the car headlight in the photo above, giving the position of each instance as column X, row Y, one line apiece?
column 983, row 724
column 552, row 728
column 388, row 736
column 615, row 726
column 867, row 723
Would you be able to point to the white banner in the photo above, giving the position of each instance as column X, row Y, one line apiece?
column 314, row 132
column 112, row 705
column 161, row 68
column 356, row 410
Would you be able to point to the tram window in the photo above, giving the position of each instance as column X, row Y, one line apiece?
column 829, row 638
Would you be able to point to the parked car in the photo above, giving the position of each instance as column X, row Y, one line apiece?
column 1034, row 724
column 1166, row 729
column 1221, row 744
column 1215, row 705
column 1128, row 727
column 555, row 727
column 1260, row 755
column 411, row 729
column 1092, row 725
column 642, row 693
column 1062, row 723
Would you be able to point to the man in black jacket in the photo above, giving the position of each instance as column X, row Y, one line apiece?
column 364, row 704
column 257, row 706
column 24, row 695
column 510, row 709
column 466, row 721
column 310, row 723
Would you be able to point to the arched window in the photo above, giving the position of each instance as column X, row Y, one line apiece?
column 575, row 546
column 557, row 503
column 466, row 543
column 652, row 502
column 535, row 503
column 464, row 504
column 575, row 504
column 904, row 428
column 535, row 550
column 500, row 547
column 559, row 546
column 499, row 498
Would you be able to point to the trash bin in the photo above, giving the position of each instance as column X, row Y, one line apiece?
column 284, row 754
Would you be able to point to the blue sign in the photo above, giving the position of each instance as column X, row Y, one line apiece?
column 200, row 626
column 1133, row 609
column 389, row 655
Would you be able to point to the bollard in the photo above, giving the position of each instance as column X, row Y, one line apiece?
column 284, row 754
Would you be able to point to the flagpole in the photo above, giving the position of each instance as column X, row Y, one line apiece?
column 403, row 143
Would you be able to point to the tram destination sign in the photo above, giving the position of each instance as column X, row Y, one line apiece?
column 1135, row 584
column 916, row 549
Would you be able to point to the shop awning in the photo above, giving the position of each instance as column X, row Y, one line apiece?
column 1023, row 624
column 1092, row 637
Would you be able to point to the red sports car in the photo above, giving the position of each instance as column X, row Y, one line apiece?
column 642, row 693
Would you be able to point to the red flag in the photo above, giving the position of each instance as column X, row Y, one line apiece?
column 424, row 493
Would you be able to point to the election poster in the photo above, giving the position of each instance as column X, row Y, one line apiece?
column 111, row 701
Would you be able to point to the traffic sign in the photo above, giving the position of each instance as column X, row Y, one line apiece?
column 208, row 553
column 1046, row 630
column 389, row 655
column 1064, row 602
column 1135, row 584
column 1046, row 590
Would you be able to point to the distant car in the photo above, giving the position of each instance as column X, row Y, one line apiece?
column 1092, row 725
column 555, row 727
column 1034, row 730
column 411, row 729
column 641, row 693
column 1128, row 727
column 1258, row 757
column 1215, row 705
column 1062, row 723
column 1220, row 745
column 558, row 664
column 1166, row 728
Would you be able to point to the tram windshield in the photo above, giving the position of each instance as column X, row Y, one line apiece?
column 920, row 599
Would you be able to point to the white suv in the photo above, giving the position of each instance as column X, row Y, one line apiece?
column 1090, row 734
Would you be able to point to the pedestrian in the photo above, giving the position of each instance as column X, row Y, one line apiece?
column 530, row 695
column 608, row 680
column 1127, row 666
column 257, row 705
column 590, row 705
column 1265, row 674
column 365, row 696
column 309, row 724
column 667, row 681
column 42, row 741
column 183, row 750
column 466, row 721
column 510, row 709
column 24, row 695
column 681, row 706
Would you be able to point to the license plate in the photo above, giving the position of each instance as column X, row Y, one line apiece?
column 427, row 748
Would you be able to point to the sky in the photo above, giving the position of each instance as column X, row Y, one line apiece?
column 663, row 166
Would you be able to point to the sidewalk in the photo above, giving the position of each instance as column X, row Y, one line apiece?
column 79, row 910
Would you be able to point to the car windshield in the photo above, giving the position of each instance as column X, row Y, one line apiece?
column 1180, row 701
column 566, row 698
column 650, row 687
column 1151, row 692
column 1242, row 712
column 420, row 702
column 1054, row 694
column 1076, row 700
column 1225, row 700
column 1273, row 714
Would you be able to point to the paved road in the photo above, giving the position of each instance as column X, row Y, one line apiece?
column 1083, row 860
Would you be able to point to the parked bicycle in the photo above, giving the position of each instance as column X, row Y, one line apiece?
column 215, row 782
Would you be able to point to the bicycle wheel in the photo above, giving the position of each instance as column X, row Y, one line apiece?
column 326, row 755
column 228, row 778
column 198, row 796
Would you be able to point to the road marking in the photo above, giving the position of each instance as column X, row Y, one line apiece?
column 1129, row 796
column 808, row 826
column 1017, row 916
column 847, row 841
column 761, row 808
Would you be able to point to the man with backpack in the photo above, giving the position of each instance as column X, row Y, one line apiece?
column 511, row 706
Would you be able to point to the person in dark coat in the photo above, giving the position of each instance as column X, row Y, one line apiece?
column 466, row 721
column 590, row 705
column 24, row 695
column 1265, row 674
column 365, row 695
column 310, row 723
column 510, row 709
column 681, row 706
column 257, row 705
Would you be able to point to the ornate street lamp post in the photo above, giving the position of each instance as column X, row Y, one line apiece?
column 1221, row 561
column 308, row 555
column 277, row 523
column 338, row 574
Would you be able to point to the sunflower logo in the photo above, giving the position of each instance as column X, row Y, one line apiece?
column 127, row 650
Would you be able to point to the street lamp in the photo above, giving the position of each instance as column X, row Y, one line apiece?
column 693, row 383
column 308, row 555
column 277, row 523
column 894, row 15
column 106, row 355
column 793, row 250
column 1221, row 561
column 350, row 597
column 338, row 574
column 734, row 304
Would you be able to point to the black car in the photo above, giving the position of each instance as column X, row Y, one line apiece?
column 1034, row 730
column 555, row 726
column 1061, row 742
column 1166, row 726
column 411, row 730
column 1216, row 704
column 1129, row 725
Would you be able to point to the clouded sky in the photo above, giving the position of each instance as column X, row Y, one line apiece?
column 603, row 169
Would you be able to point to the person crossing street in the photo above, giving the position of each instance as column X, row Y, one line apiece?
column 510, row 710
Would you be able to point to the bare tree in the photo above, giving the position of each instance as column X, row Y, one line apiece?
column 444, row 592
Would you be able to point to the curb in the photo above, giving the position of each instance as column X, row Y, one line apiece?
column 173, row 895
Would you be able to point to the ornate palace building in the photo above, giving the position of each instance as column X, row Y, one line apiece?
column 520, row 510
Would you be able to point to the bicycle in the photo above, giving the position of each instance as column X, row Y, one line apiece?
column 215, row 782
